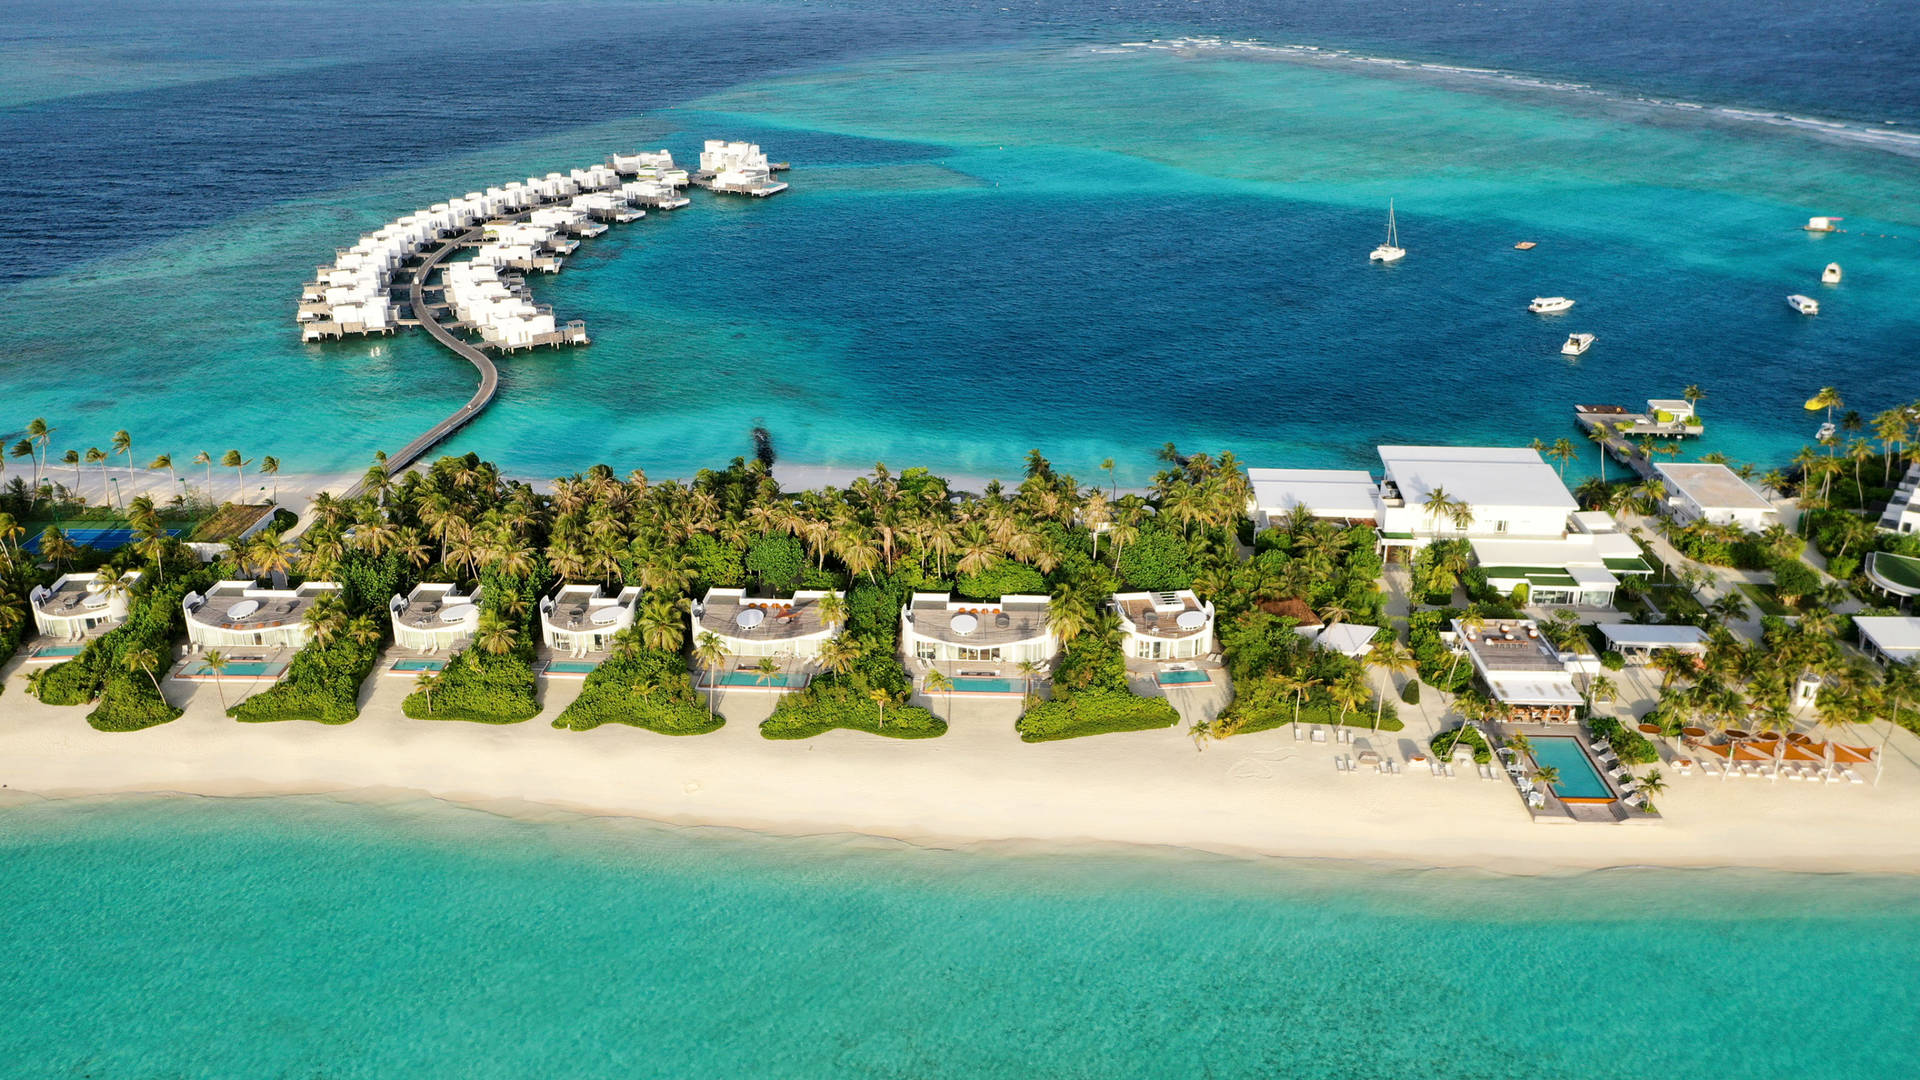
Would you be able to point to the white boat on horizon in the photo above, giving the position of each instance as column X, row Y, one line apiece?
column 1831, row 275
column 1577, row 344
column 1391, row 251
column 1805, row 305
column 1821, row 224
column 1549, row 305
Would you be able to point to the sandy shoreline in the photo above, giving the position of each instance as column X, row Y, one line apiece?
column 1264, row 794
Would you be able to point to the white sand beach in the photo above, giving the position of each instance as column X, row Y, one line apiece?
column 1264, row 793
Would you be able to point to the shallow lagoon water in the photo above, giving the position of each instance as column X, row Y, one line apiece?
column 302, row 937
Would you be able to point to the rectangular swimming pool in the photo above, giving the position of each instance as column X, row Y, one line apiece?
column 1184, row 677
column 572, row 667
column 418, row 664
column 751, row 681
column 978, row 684
column 1578, row 778
column 59, row 650
column 237, row 669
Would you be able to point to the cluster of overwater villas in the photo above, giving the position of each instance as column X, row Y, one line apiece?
column 527, row 225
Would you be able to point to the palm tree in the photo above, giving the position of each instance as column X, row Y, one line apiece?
column 214, row 662
column 1546, row 775
column 1653, row 784
column 880, row 699
column 72, row 457
column 97, row 456
column 1029, row 671
column 426, row 683
column 1693, row 394
column 1438, row 505
column 495, row 635
column 204, row 458
column 1564, row 452
column 839, row 654
column 1600, row 433
column 937, row 682
column 232, row 460
column 1829, row 399
column 165, row 461
column 145, row 660
column 710, row 652
column 832, row 609
column 661, row 622
column 24, row 449
column 1393, row 658
column 123, row 444
column 766, row 670
column 1349, row 692
column 270, row 466
column 1107, row 464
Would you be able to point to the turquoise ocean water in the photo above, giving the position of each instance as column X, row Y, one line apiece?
column 1003, row 233
column 301, row 938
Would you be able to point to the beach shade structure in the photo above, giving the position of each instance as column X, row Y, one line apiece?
column 1737, row 733
column 1694, row 732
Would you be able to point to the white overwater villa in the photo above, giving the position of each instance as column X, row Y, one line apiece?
column 435, row 618
column 581, row 620
column 791, row 631
column 738, row 167
column 79, row 606
column 240, row 613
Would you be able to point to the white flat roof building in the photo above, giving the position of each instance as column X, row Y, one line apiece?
column 80, row 605
column 1714, row 493
column 1172, row 625
column 240, row 613
column 756, row 626
column 1509, row 492
column 1339, row 494
column 937, row 627
column 1639, row 642
column 1895, row 638
column 581, row 620
column 1522, row 669
column 434, row 617
column 1901, row 514
column 1578, row 568
column 1347, row 639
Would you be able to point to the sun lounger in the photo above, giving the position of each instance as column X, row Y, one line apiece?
column 1437, row 768
column 1319, row 736
column 1296, row 733
column 1794, row 774
column 1684, row 766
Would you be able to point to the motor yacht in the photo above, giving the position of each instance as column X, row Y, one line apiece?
column 1577, row 344
column 1549, row 305
column 1805, row 305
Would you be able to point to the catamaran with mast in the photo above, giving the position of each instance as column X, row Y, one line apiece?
column 1391, row 251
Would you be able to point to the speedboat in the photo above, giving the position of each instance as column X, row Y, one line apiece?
column 1821, row 224
column 1805, row 305
column 1391, row 251
column 1576, row 344
column 1525, row 245
column 1549, row 305
column 1826, row 432
column 1831, row 275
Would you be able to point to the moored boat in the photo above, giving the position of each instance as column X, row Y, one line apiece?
column 1831, row 275
column 1391, row 251
column 1805, row 305
column 1577, row 344
column 1549, row 305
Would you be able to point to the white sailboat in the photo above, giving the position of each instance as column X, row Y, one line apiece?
column 1391, row 251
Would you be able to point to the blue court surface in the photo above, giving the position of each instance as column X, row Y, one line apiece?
column 98, row 539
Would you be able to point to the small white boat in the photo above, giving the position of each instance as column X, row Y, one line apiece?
column 1821, row 224
column 1805, row 305
column 1826, row 432
column 1831, row 275
column 1391, row 251
column 1577, row 344
column 1549, row 305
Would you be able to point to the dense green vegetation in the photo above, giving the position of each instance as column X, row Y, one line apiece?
column 863, row 686
column 491, row 681
column 1090, row 695
column 1444, row 743
column 1632, row 747
column 322, row 683
column 646, row 688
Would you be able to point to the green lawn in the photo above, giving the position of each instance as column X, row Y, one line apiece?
column 1899, row 569
column 1765, row 599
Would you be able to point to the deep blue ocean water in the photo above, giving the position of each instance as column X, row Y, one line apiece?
column 1005, row 231
column 154, row 938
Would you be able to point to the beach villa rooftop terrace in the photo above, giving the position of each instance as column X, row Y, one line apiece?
column 731, row 614
column 978, row 622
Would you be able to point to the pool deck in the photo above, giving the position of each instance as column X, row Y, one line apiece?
column 1613, row 810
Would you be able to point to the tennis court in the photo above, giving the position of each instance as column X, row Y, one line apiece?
column 100, row 539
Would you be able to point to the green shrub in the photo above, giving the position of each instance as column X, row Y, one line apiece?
column 777, row 561
column 1632, row 747
column 1005, row 579
column 1410, row 693
column 845, row 701
column 322, row 684
column 1157, row 560
column 1843, row 566
column 478, row 687
column 645, row 688
column 1612, row 660
column 716, row 564
column 1793, row 579
column 127, row 700
column 1443, row 744
column 1093, row 712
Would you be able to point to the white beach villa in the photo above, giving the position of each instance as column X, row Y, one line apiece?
column 580, row 620
column 435, row 617
column 235, row 613
column 937, row 628
column 1159, row 626
column 81, row 605
column 1714, row 493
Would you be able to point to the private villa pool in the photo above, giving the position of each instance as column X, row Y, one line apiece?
column 1182, row 677
column 572, row 667
column 1579, row 780
column 748, row 679
column 413, row 665
column 985, row 684
column 58, row 652
column 234, row 669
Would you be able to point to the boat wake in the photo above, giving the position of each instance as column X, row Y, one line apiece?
column 1880, row 137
